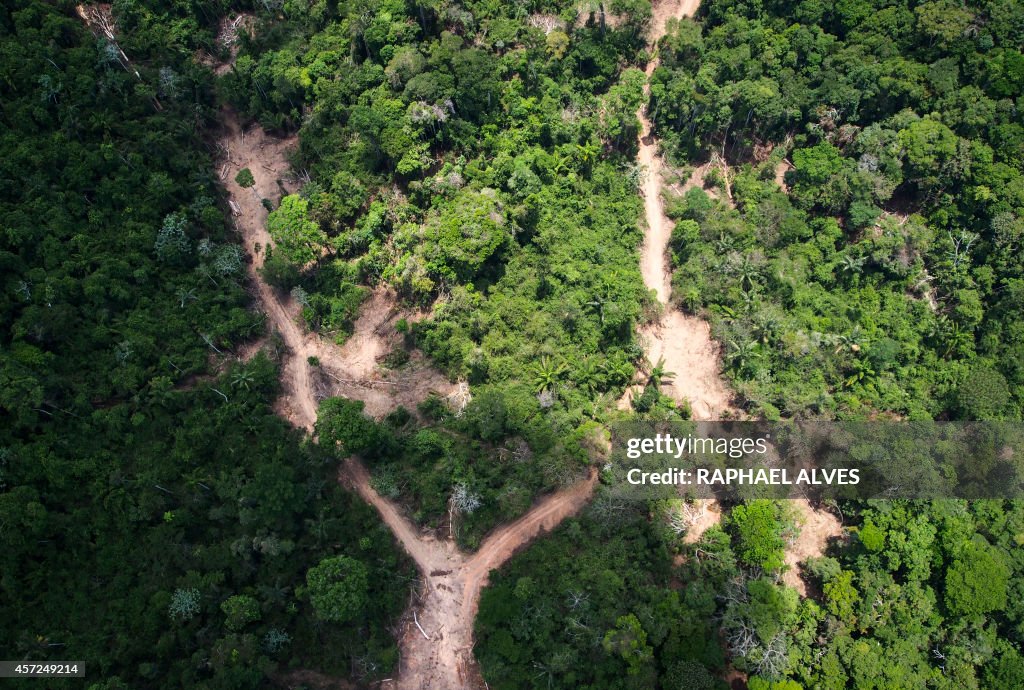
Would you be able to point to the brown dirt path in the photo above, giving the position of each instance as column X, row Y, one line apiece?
column 780, row 174
column 351, row 369
column 683, row 341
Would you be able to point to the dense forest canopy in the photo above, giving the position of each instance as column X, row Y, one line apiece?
column 156, row 519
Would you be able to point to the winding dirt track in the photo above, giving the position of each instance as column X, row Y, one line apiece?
column 682, row 341
column 350, row 369
column 685, row 343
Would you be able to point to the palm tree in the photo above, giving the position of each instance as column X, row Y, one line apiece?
column 546, row 373
column 750, row 300
column 361, row 16
column 764, row 326
column 727, row 312
column 242, row 378
column 747, row 271
column 852, row 264
column 725, row 243
column 949, row 333
column 619, row 371
column 587, row 152
column 862, row 373
column 742, row 354
column 659, row 374
column 853, row 342
column 587, row 371
column 186, row 296
column 319, row 527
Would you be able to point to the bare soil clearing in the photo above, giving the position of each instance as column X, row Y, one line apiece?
column 684, row 342
column 711, row 516
column 817, row 527
column 781, row 169
column 350, row 370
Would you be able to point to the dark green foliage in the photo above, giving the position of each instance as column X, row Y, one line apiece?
column 156, row 518
column 976, row 581
column 983, row 394
column 114, row 252
column 338, row 589
column 506, row 204
column 590, row 607
column 244, row 178
column 240, row 610
column 1006, row 672
column 884, row 279
column 297, row 237
column 212, row 514
column 481, row 168
column 341, row 422
column 923, row 578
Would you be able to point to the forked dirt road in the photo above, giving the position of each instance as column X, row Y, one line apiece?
column 437, row 636
column 452, row 581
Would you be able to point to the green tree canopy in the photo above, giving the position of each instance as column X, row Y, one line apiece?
column 240, row 610
column 341, row 421
column 758, row 531
column 338, row 588
column 299, row 238
column 244, row 178
column 976, row 582
column 983, row 394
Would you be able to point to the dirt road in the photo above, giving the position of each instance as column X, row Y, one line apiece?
column 437, row 640
column 351, row 369
column 684, row 342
